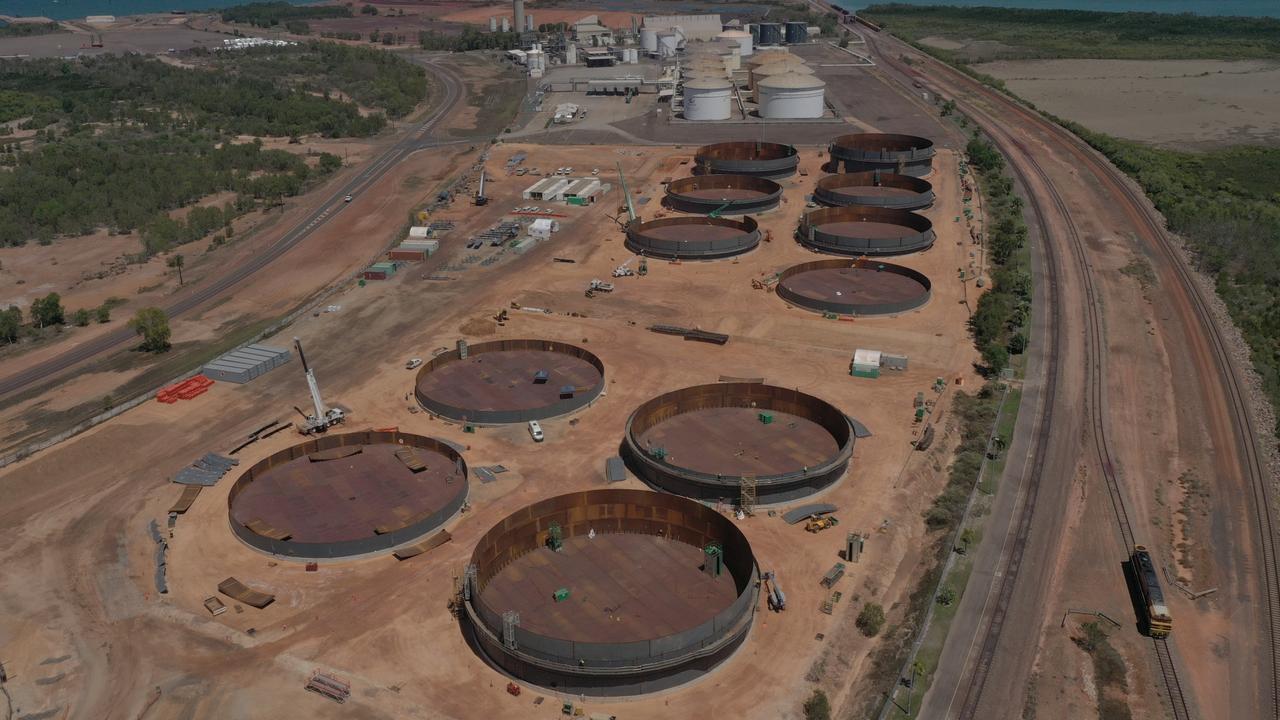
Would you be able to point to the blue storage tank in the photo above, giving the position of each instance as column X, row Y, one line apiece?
column 797, row 32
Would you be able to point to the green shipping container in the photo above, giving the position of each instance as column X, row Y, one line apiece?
column 561, row 595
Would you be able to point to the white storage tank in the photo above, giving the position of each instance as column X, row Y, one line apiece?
column 633, row 56
column 742, row 38
column 649, row 39
column 790, row 96
column 770, row 55
column 731, row 60
column 707, row 99
column 776, row 68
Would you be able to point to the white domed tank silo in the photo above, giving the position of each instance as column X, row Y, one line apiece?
column 768, row 55
column 707, row 99
column 776, row 68
column 790, row 96
column 771, row 33
column 796, row 32
column 649, row 40
column 742, row 38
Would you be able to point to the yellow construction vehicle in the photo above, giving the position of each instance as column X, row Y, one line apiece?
column 818, row 524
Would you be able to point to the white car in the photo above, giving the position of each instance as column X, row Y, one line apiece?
column 535, row 431
column 348, row 198
column 413, row 364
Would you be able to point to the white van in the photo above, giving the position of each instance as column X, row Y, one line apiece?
column 535, row 431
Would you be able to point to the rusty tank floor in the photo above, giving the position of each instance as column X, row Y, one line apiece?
column 733, row 441
column 622, row 588
column 503, row 380
column 854, row 285
column 347, row 498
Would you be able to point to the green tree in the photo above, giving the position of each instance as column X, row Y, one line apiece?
column 871, row 619
column 11, row 324
column 103, row 313
column 983, row 155
column 153, row 325
column 996, row 356
column 817, row 707
column 81, row 317
column 48, row 311
column 329, row 162
column 177, row 262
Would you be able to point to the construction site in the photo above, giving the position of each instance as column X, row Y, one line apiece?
column 579, row 437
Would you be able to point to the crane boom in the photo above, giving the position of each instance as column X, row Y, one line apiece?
column 316, row 402
column 631, row 208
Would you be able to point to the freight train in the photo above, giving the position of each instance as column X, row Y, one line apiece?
column 1159, row 622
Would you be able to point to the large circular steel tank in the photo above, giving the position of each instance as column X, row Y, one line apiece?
column 702, row 441
column 874, row 189
column 610, row 592
column 728, row 194
column 345, row 495
column 693, row 238
column 854, row 287
column 509, row 381
column 901, row 154
column 858, row 230
column 762, row 159
column 707, row 98
column 771, row 34
column 742, row 38
column 790, row 96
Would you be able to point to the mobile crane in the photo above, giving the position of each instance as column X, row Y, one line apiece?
column 325, row 417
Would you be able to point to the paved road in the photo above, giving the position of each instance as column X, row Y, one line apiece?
column 418, row 138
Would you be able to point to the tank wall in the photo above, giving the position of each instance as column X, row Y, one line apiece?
column 649, row 40
column 618, row 668
column 377, row 543
column 901, row 154
column 706, row 104
column 789, row 103
column 812, row 234
column 640, row 242
column 678, row 197
column 706, row 486
column 842, row 190
column 769, row 160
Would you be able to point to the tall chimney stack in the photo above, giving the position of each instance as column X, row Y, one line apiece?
column 519, row 18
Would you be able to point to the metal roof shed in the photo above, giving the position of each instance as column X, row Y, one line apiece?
column 244, row 364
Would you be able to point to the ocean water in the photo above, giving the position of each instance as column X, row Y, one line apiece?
column 69, row 9
column 72, row 9
column 1246, row 8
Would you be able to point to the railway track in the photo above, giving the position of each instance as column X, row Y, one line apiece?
column 1097, row 421
column 1097, row 418
column 1134, row 205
